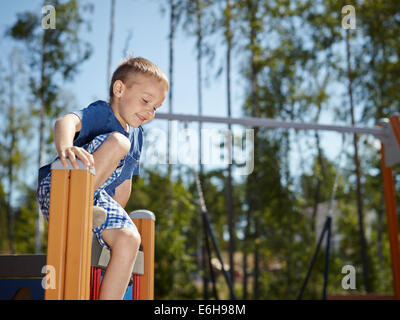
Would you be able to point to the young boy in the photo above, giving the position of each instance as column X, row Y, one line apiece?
column 108, row 137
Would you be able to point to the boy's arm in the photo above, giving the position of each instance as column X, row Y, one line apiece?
column 123, row 192
column 64, row 132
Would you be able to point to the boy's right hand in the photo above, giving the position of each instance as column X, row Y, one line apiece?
column 72, row 153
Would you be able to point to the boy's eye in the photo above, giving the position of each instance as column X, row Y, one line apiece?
column 145, row 101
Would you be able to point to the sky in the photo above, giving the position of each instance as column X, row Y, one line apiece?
column 149, row 30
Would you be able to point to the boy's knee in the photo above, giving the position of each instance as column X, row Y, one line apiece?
column 125, row 239
column 132, row 237
column 120, row 142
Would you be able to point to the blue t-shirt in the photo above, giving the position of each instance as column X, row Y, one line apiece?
column 96, row 119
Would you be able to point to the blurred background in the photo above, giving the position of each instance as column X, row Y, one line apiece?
column 303, row 61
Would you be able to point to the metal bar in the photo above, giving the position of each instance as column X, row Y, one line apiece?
column 209, row 229
column 271, row 123
column 327, row 255
column 207, row 242
column 313, row 259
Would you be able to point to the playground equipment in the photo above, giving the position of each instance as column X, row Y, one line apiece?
column 72, row 268
column 388, row 132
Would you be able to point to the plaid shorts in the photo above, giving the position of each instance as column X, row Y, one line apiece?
column 117, row 217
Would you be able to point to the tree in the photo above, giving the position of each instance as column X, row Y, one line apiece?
column 253, row 14
column 199, row 22
column 110, row 42
column 17, row 126
column 228, row 16
column 52, row 53
column 360, row 211
column 175, row 263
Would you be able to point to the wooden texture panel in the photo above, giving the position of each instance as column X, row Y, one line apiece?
column 57, row 232
column 146, row 229
column 77, row 271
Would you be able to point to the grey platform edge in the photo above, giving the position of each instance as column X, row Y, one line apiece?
column 59, row 166
column 142, row 214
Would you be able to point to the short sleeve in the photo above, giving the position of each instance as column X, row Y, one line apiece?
column 94, row 119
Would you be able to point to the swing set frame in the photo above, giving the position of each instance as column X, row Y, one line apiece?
column 387, row 131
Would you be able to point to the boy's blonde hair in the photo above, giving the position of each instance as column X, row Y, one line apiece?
column 127, row 70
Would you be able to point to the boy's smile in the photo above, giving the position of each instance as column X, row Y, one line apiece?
column 135, row 105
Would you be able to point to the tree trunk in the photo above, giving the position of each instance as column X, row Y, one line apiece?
column 251, row 186
column 229, row 195
column 254, row 113
column 245, row 251
column 379, row 244
column 110, row 42
column 363, row 244
column 317, row 195
column 199, row 46
column 171, row 69
column 10, row 166
column 42, row 148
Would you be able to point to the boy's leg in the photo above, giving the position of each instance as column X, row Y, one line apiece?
column 108, row 155
column 124, row 244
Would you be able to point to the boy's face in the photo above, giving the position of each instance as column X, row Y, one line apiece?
column 136, row 105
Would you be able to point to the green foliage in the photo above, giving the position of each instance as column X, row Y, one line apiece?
column 53, row 52
column 53, row 56
column 25, row 223
column 4, row 245
column 174, row 258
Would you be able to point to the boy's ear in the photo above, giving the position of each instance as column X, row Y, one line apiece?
column 118, row 88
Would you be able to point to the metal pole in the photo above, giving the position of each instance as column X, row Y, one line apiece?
column 314, row 257
column 271, row 123
column 327, row 253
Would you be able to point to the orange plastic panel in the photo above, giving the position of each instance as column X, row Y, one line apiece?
column 392, row 224
column 146, row 229
column 57, row 231
column 77, row 271
column 70, row 233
